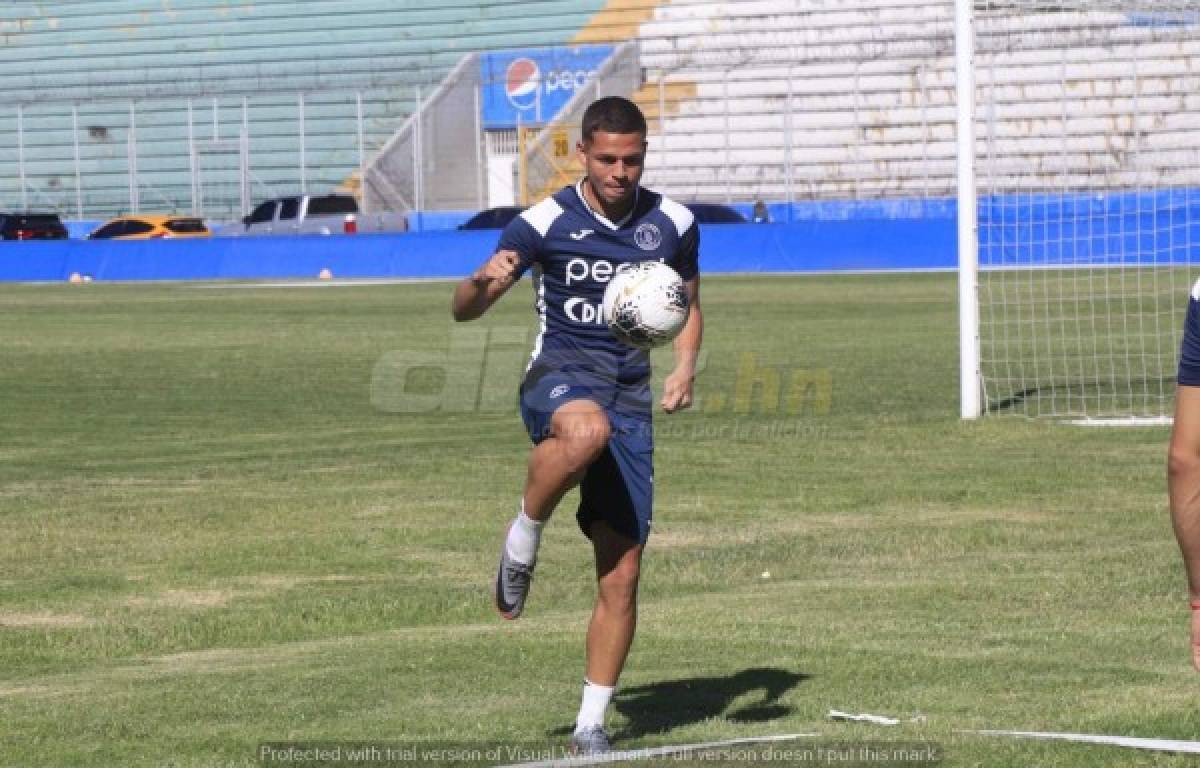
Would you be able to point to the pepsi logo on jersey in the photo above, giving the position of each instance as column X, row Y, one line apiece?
column 578, row 270
column 596, row 270
column 578, row 309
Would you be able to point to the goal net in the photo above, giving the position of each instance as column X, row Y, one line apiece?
column 1087, row 171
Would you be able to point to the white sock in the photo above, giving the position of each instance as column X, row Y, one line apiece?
column 595, row 701
column 523, row 538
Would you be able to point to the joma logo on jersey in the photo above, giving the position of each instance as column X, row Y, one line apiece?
column 582, row 311
column 598, row 270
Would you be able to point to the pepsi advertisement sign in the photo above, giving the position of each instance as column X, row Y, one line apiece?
column 530, row 86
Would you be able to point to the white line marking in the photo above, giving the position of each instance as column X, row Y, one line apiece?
column 837, row 714
column 1124, row 421
column 1158, row 745
column 618, row 756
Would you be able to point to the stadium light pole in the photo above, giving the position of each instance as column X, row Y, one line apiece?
column 968, row 225
column 480, row 140
column 362, row 153
column 194, row 161
column 135, row 203
column 75, row 155
column 21, row 156
column 244, row 158
column 303, row 143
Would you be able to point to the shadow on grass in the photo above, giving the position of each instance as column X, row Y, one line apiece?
column 664, row 706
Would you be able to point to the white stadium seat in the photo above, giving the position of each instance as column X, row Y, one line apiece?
column 859, row 95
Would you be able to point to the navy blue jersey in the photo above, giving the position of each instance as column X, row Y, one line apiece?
column 573, row 252
column 1189, row 354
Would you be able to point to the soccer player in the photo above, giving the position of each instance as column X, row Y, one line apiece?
column 1183, row 462
column 585, row 398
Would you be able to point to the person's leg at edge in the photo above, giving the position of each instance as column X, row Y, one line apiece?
column 614, row 621
column 1183, row 483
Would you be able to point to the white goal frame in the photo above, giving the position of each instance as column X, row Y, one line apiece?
column 1090, row 226
column 970, row 375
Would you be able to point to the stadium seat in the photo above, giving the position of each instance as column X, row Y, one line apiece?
column 867, row 87
column 106, row 57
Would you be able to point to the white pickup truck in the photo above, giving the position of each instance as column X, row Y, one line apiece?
column 317, row 215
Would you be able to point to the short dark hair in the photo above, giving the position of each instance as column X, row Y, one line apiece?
column 613, row 114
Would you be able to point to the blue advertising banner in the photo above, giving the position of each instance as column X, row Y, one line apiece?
column 529, row 86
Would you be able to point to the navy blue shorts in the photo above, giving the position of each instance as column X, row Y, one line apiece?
column 619, row 485
column 1189, row 352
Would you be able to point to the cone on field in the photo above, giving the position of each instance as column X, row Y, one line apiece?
column 325, row 274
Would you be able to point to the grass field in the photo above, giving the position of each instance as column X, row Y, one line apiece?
column 234, row 514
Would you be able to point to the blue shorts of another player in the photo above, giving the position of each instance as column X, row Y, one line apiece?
column 618, row 487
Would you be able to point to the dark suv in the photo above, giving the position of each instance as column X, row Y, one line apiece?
column 31, row 226
column 492, row 218
column 715, row 213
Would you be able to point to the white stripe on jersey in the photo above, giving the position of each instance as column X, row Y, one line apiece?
column 542, row 215
column 1196, row 290
column 679, row 215
column 539, row 285
column 613, row 225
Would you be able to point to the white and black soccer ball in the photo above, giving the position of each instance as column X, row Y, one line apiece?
column 645, row 304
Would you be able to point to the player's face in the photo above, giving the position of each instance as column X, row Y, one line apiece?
column 614, row 163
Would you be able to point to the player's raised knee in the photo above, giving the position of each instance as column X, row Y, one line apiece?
column 586, row 438
column 584, row 431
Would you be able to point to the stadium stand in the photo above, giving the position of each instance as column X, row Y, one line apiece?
column 771, row 100
column 859, row 97
column 616, row 22
column 114, row 73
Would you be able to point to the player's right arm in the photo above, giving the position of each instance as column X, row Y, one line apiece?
column 481, row 289
column 519, row 248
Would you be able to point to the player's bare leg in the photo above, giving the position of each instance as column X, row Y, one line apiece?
column 610, row 633
column 1183, row 484
column 579, row 431
column 614, row 618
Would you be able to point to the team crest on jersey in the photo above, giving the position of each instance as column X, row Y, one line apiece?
column 647, row 236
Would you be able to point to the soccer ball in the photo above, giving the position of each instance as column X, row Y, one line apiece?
column 645, row 304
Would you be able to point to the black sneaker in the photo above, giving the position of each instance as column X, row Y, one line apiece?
column 512, row 585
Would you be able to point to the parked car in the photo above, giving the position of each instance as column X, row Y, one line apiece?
column 150, row 226
column 318, row 215
column 31, row 226
column 493, row 218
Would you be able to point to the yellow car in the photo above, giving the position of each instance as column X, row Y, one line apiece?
column 149, row 226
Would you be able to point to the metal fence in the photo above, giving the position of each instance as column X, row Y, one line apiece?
column 712, row 135
column 848, row 106
column 207, row 156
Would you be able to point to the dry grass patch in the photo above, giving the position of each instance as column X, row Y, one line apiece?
column 44, row 620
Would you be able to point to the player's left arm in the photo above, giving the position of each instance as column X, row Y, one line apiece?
column 677, row 387
column 1183, row 462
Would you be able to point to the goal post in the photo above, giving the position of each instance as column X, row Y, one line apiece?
column 970, row 382
column 1079, row 144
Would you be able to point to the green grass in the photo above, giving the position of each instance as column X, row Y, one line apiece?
column 234, row 514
